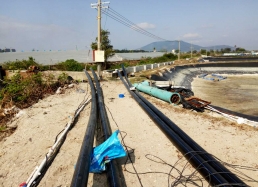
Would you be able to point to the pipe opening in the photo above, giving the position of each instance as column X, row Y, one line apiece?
column 175, row 99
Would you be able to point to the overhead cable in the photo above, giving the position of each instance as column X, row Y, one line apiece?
column 133, row 24
column 121, row 19
column 133, row 27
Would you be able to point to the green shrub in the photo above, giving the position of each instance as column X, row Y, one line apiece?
column 24, row 91
column 170, row 56
column 20, row 64
column 18, row 89
column 62, row 78
column 70, row 65
column 44, row 67
column 93, row 66
column 115, row 66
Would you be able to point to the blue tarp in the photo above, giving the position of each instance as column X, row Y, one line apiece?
column 108, row 150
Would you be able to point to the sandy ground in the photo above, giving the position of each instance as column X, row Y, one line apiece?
column 38, row 126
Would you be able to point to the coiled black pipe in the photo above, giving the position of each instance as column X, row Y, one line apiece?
column 81, row 173
column 112, row 167
column 228, row 175
column 213, row 177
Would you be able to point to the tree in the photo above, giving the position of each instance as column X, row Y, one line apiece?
column 105, row 45
column 239, row 49
column 227, row 50
column 203, row 51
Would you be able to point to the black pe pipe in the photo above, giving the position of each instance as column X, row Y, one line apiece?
column 81, row 173
column 112, row 167
column 228, row 175
column 213, row 177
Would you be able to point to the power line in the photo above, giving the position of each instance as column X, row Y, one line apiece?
column 126, row 22
column 134, row 25
column 130, row 26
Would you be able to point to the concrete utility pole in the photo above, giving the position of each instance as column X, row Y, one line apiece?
column 178, row 49
column 99, row 7
column 191, row 51
column 99, row 25
column 99, row 37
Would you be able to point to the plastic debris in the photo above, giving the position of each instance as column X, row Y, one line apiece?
column 24, row 184
column 105, row 152
column 70, row 85
column 79, row 90
column 121, row 95
column 59, row 90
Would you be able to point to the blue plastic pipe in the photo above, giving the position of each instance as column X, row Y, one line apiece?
column 164, row 95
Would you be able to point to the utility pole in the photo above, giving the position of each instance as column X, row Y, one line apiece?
column 191, row 51
column 178, row 49
column 99, row 25
column 99, row 37
column 99, row 7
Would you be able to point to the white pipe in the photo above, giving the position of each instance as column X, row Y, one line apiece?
column 37, row 170
column 237, row 119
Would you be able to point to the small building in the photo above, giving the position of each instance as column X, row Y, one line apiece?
column 230, row 54
column 7, row 50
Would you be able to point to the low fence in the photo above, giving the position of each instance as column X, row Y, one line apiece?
column 108, row 73
column 146, row 67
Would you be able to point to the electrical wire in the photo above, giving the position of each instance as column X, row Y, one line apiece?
column 105, row 21
column 134, row 25
column 193, row 178
column 208, row 177
column 131, row 26
column 179, row 179
column 126, row 22
column 126, row 147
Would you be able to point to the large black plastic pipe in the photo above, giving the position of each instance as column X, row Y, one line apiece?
column 112, row 167
column 81, row 173
column 213, row 177
column 228, row 175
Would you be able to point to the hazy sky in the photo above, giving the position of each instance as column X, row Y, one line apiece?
column 65, row 24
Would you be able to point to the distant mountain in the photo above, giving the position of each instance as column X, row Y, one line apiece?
column 184, row 46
